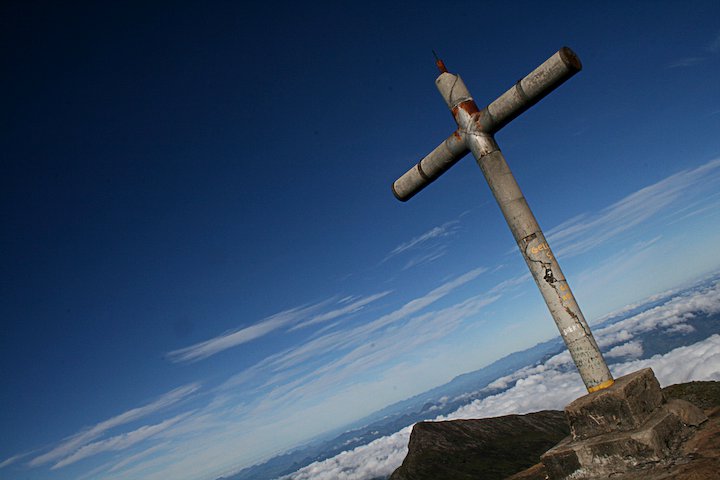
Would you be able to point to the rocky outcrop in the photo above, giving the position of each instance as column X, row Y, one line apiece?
column 705, row 395
column 485, row 448
column 497, row 448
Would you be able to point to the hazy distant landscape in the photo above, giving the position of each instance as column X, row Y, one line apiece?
column 675, row 332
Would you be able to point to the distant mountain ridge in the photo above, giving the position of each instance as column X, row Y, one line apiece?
column 471, row 386
column 401, row 414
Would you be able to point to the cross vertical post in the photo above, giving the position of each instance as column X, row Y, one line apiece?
column 475, row 133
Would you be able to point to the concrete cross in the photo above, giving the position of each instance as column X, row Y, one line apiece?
column 475, row 134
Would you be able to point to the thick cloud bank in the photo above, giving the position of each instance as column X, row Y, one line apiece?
column 551, row 389
column 376, row 459
column 554, row 384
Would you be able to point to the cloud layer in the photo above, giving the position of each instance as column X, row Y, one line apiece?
column 69, row 450
column 295, row 318
column 443, row 231
column 554, row 384
column 550, row 389
column 585, row 232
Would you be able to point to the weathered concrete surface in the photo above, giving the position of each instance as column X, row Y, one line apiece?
column 698, row 458
column 620, row 428
column 624, row 406
column 675, row 439
column 656, row 439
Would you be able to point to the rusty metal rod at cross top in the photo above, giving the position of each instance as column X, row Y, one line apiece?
column 475, row 134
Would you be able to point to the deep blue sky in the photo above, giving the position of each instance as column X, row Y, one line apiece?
column 174, row 171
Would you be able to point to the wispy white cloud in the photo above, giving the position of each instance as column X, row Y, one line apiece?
column 361, row 334
column 708, row 206
column 714, row 45
column 622, row 263
column 445, row 230
column 109, row 468
column 72, row 444
column 511, row 283
column 392, row 344
column 138, row 465
column 585, row 232
column 350, row 308
column 686, row 62
column 119, row 442
column 711, row 49
column 233, row 338
column 427, row 299
column 13, row 459
column 424, row 258
column 351, row 358
column 292, row 319
column 554, row 383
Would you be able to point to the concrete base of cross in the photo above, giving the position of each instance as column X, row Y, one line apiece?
column 620, row 428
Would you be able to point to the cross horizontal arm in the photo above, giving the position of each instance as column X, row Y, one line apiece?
column 535, row 86
column 431, row 167
column 523, row 95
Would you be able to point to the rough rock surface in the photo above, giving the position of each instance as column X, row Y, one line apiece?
column 484, row 448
